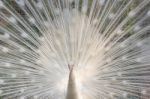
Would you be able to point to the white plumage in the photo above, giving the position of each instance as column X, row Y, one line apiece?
column 106, row 41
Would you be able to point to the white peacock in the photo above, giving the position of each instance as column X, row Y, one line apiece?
column 75, row 49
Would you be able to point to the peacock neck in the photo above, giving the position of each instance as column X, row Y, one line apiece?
column 72, row 92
